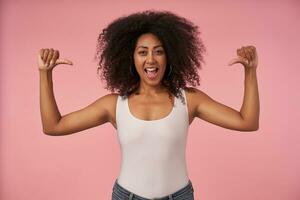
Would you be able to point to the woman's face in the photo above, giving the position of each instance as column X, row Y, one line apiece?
column 150, row 59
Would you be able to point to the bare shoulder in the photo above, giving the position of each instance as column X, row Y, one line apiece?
column 194, row 98
column 194, row 94
column 110, row 97
column 192, row 90
column 109, row 101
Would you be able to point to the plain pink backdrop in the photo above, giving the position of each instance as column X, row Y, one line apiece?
column 223, row 164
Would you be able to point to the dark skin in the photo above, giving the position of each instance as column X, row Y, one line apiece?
column 153, row 100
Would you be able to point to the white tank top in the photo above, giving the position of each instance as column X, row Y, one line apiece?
column 153, row 161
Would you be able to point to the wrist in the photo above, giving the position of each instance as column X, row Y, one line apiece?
column 45, row 74
column 250, row 69
column 45, row 71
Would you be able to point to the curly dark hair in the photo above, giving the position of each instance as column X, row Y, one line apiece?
column 179, row 37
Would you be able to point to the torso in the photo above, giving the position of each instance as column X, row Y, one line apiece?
column 152, row 132
column 151, row 108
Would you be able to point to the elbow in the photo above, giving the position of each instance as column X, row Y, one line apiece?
column 49, row 132
column 252, row 127
column 255, row 128
column 249, row 126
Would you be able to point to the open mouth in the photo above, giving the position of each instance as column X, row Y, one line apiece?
column 151, row 72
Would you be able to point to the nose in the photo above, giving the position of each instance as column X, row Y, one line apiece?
column 150, row 59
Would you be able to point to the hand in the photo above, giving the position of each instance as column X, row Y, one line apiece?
column 247, row 56
column 49, row 58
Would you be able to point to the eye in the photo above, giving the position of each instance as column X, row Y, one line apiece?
column 159, row 52
column 142, row 52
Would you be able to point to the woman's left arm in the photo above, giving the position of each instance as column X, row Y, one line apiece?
column 248, row 117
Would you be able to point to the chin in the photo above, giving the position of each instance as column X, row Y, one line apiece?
column 156, row 82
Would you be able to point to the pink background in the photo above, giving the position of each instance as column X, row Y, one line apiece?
column 223, row 164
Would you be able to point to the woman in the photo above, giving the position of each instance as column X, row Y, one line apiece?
column 149, row 58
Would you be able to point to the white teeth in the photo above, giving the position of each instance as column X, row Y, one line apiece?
column 151, row 69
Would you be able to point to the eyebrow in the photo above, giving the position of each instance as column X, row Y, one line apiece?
column 147, row 47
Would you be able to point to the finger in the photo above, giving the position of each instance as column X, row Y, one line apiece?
column 49, row 57
column 41, row 53
column 247, row 56
column 238, row 52
column 63, row 61
column 253, row 50
column 241, row 53
column 245, row 53
column 255, row 57
column 248, row 53
column 234, row 61
column 240, row 60
column 54, row 58
column 45, row 54
column 252, row 47
column 40, row 60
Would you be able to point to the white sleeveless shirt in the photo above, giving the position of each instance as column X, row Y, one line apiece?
column 153, row 161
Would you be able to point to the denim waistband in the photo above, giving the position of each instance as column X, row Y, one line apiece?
column 121, row 191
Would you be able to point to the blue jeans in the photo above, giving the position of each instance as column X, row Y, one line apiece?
column 185, row 193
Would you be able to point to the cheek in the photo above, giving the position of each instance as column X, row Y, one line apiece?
column 138, row 60
column 163, row 62
column 162, row 59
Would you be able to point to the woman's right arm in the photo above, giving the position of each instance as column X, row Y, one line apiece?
column 95, row 114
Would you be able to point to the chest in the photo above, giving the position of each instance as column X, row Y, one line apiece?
column 150, row 108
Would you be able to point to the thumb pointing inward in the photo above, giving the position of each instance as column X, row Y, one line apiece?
column 238, row 60
column 63, row 61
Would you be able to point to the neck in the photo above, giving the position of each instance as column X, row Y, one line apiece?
column 150, row 89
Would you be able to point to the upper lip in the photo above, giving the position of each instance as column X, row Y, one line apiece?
column 150, row 67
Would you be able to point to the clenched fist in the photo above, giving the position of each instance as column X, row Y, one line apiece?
column 247, row 56
column 49, row 58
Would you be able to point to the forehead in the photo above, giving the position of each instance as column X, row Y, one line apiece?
column 148, row 40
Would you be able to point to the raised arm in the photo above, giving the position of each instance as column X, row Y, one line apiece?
column 96, row 113
column 247, row 119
